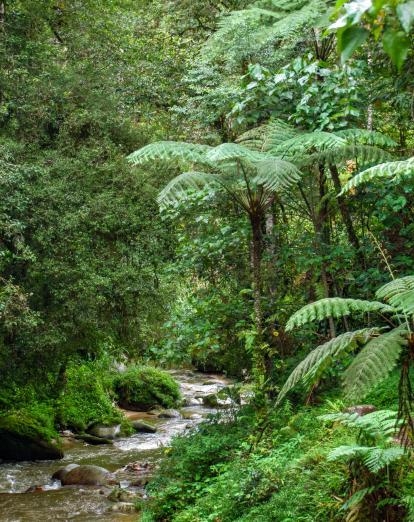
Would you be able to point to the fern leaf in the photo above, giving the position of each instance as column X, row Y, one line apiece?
column 233, row 151
column 276, row 175
column 348, row 452
column 366, row 137
column 267, row 137
column 393, row 170
column 374, row 362
column 168, row 150
column 322, row 356
column 364, row 154
column 177, row 188
column 399, row 294
column 380, row 424
column 378, row 458
column 334, row 307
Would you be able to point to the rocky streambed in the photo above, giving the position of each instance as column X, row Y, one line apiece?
column 28, row 492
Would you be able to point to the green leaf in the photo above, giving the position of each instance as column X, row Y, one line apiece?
column 396, row 45
column 350, row 39
column 405, row 14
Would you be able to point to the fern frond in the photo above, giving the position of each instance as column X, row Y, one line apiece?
column 399, row 294
column 168, row 150
column 375, row 458
column 334, row 307
column 177, row 188
column 233, row 151
column 308, row 142
column 378, row 458
column 268, row 136
column 276, row 175
column 393, row 170
column 323, row 356
column 374, row 362
column 379, row 425
column 366, row 137
column 364, row 154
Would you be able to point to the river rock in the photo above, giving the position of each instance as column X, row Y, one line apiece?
column 169, row 414
column 86, row 475
column 361, row 409
column 121, row 495
column 91, row 439
column 18, row 448
column 104, row 431
column 62, row 472
column 143, row 427
column 192, row 401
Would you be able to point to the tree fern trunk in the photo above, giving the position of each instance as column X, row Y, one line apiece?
column 256, row 269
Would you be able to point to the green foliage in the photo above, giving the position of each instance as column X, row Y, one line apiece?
column 86, row 398
column 34, row 421
column 145, row 387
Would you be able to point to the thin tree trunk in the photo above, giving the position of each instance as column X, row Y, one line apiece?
column 343, row 207
column 2, row 15
column 259, row 363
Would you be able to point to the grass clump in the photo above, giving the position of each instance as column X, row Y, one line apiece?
column 145, row 387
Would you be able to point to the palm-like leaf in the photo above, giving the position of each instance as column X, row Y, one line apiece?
column 393, row 170
column 364, row 154
column 322, row 356
column 375, row 458
column 334, row 307
column 374, row 362
column 307, row 143
column 233, row 152
column 276, row 175
column 381, row 425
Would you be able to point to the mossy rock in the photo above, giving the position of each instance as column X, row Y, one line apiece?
column 28, row 434
column 142, row 388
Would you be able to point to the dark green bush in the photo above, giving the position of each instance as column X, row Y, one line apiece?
column 145, row 387
column 35, row 421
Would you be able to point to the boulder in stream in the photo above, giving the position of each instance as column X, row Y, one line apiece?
column 86, row 475
column 62, row 472
column 104, row 431
column 143, row 427
column 169, row 414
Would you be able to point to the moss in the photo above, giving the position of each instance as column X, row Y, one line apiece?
column 145, row 387
column 35, row 422
column 86, row 399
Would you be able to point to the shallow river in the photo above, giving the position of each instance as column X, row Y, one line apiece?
column 86, row 504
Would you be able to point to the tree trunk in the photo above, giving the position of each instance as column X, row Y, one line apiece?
column 343, row 208
column 259, row 362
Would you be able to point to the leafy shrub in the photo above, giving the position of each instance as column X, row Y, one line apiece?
column 86, row 398
column 145, row 387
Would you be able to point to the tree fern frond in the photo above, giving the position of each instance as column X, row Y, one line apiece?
column 234, row 151
column 334, row 307
column 366, row 137
column 308, row 142
column 374, row 362
column 365, row 154
column 276, row 175
column 178, row 187
column 399, row 294
column 268, row 136
column 167, row 150
column 393, row 170
column 322, row 356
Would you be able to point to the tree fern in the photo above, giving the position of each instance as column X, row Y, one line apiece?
column 374, row 362
column 374, row 458
column 334, row 307
column 178, row 187
column 363, row 154
column 321, row 357
column 394, row 171
column 381, row 425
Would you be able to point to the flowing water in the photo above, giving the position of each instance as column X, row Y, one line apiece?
column 82, row 503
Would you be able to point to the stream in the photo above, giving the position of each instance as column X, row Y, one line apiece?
column 83, row 503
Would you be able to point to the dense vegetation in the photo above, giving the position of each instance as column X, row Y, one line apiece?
column 225, row 185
